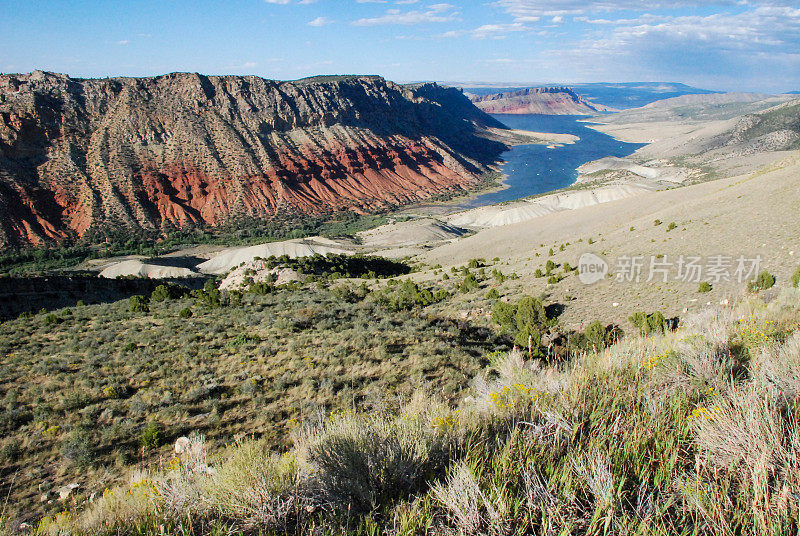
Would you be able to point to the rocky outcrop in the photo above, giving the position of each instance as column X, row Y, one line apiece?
column 539, row 100
column 81, row 156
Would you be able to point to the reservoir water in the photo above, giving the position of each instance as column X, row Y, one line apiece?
column 535, row 169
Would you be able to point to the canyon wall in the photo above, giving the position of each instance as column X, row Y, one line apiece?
column 82, row 156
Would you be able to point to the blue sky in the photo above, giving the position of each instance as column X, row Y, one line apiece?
column 729, row 45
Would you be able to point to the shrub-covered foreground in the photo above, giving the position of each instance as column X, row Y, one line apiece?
column 688, row 432
column 88, row 391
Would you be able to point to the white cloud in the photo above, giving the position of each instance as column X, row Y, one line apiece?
column 498, row 30
column 434, row 13
column 758, row 47
column 281, row 2
column 320, row 21
column 524, row 10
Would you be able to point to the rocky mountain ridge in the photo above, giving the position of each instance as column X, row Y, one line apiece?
column 81, row 156
column 540, row 100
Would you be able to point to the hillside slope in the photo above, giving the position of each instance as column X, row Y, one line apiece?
column 774, row 129
column 706, row 107
column 751, row 215
column 90, row 156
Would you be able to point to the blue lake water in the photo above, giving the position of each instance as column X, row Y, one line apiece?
column 535, row 169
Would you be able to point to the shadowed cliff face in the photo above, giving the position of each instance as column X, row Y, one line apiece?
column 77, row 155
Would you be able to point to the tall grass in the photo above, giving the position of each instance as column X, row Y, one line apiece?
column 691, row 432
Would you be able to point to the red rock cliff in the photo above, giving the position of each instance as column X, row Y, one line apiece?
column 79, row 155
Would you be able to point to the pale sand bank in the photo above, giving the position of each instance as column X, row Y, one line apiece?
column 519, row 211
column 228, row 259
column 140, row 268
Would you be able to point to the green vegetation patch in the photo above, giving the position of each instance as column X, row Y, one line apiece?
column 83, row 395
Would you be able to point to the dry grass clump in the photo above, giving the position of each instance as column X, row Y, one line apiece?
column 254, row 486
column 359, row 462
column 778, row 368
column 467, row 507
column 751, row 434
column 511, row 387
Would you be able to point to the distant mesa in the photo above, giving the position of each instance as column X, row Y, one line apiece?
column 87, row 157
column 547, row 100
column 613, row 95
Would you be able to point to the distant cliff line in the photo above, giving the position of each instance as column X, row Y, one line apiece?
column 555, row 100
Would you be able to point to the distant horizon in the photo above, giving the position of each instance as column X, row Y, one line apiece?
column 724, row 45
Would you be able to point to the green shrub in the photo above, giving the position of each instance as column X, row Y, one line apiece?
column 596, row 335
column 646, row 324
column 408, row 296
column 210, row 296
column 498, row 275
column 553, row 279
column 186, row 312
column 763, row 281
column 492, row 294
column 657, row 323
column 161, row 293
column 672, row 225
column 150, row 438
column 796, row 278
column 639, row 320
column 138, row 304
column 538, row 273
column 51, row 319
column 503, row 313
column 529, row 336
column 261, row 288
column 349, row 295
column 470, row 282
column 530, row 311
column 524, row 321
column 705, row 286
